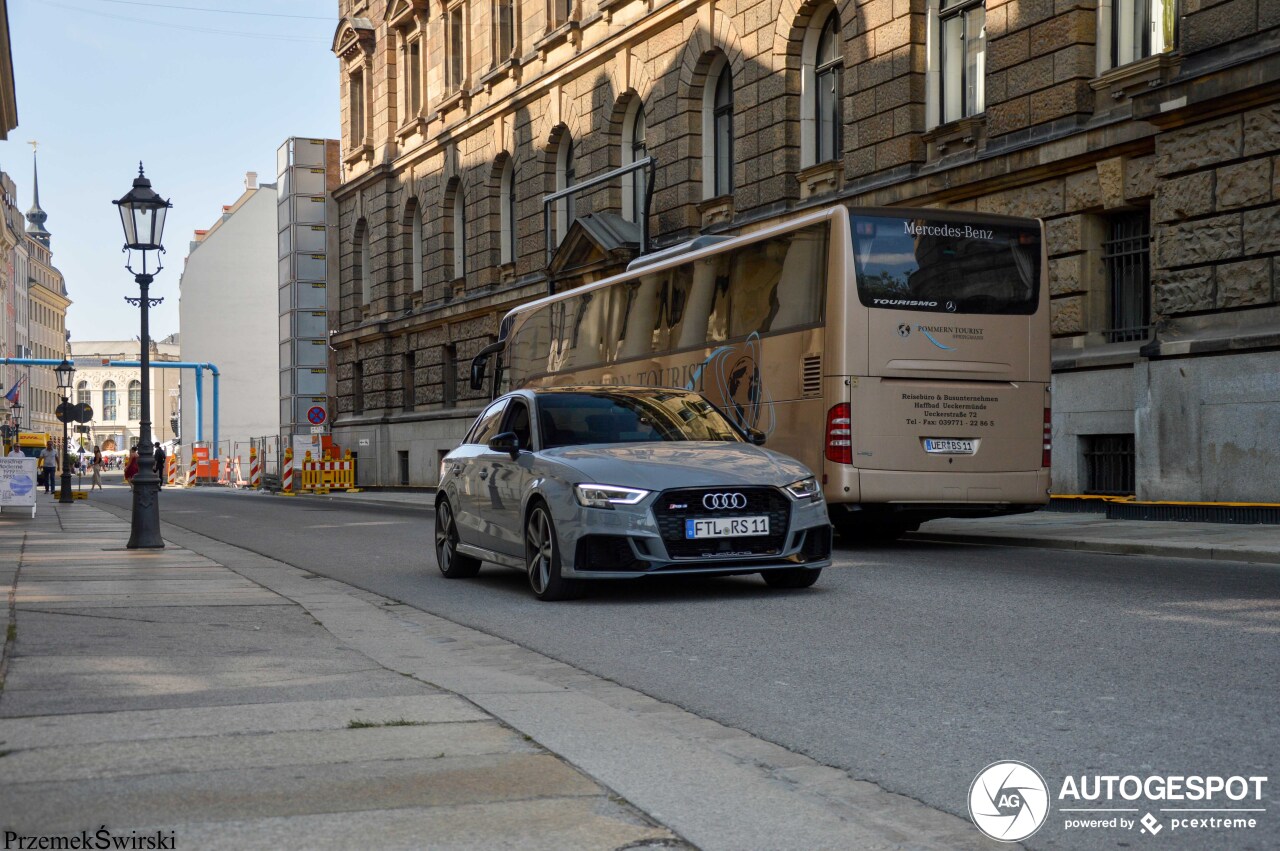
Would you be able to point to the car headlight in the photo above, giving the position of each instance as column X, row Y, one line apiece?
column 607, row 496
column 805, row 489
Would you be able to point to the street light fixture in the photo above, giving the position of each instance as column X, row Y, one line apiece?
column 142, row 213
column 65, row 371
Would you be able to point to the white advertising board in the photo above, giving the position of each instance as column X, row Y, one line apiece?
column 18, row 483
column 302, row 444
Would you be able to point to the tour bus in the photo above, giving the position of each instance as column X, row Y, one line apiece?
column 903, row 354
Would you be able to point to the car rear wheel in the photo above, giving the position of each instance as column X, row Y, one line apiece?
column 453, row 564
column 791, row 577
column 542, row 557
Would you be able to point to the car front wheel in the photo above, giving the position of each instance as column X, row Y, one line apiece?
column 542, row 557
column 791, row 577
column 453, row 564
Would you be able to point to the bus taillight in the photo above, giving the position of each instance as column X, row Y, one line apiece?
column 1048, row 437
column 840, row 434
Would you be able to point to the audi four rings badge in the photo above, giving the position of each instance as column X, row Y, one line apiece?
column 724, row 500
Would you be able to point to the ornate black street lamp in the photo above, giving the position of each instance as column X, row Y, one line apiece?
column 65, row 371
column 142, row 213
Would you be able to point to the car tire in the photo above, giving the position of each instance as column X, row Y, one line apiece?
column 791, row 577
column 542, row 557
column 453, row 564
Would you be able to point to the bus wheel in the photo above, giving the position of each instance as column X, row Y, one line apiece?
column 791, row 577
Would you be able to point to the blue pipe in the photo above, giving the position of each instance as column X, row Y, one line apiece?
column 169, row 364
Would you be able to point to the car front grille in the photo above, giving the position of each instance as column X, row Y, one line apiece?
column 674, row 507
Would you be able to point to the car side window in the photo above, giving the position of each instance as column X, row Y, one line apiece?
column 487, row 426
column 518, row 422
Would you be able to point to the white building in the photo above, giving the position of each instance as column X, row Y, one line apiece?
column 228, row 316
column 115, row 392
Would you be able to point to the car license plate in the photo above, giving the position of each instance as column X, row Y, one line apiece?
column 947, row 446
column 726, row 527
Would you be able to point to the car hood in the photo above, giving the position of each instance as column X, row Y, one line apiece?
column 656, row 466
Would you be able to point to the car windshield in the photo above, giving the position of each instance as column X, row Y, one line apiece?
column 574, row 419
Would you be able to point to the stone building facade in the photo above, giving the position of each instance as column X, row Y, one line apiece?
column 1145, row 134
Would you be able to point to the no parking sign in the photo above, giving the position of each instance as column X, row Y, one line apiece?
column 316, row 415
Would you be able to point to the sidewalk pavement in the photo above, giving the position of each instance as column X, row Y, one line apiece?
column 1259, row 543
column 206, row 696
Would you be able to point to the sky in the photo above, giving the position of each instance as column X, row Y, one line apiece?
column 216, row 94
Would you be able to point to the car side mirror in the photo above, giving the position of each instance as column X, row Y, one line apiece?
column 756, row 437
column 506, row 442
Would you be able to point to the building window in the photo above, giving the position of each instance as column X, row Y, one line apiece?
column 1140, row 28
column 109, row 401
column 830, row 63
column 83, row 396
column 135, row 400
column 357, row 387
column 1127, row 256
column 456, row 67
column 407, row 387
column 504, row 31
column 458, row 223
column 415, row 248
column 507, row 212
column 1110, row 464
column 355, row 96
column 560, row 12
column 961, row 58
column 722, row 133
column 634, row 149
column 565, row 177
column 449, row 392
column 411, row 77
column 362, row 269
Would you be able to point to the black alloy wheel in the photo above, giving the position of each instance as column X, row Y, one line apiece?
column 453, row 564
column 542, row 557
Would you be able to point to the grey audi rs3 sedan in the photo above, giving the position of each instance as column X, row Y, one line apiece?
column 584, row 483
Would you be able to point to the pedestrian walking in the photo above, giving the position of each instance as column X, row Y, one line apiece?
column 49, row 463
column 160, row 459
column 96, row 465
column 131, row 466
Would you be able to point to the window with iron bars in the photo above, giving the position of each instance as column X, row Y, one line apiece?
column 1109, row 464
column 1127, row 255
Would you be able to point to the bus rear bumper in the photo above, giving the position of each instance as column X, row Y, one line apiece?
column 910, row 499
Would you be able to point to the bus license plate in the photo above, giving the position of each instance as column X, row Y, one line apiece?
column 942, row 446
column 726, row 527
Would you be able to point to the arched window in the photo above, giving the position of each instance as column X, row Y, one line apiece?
column 717, row 130
column 413, row 245
column 109, row 401
column 360, row 258
column 135, row 400
column 830, row 62
column 507, row 212
column 83, row 397
column 459, row 226
column 634, row 148
column 565, row 177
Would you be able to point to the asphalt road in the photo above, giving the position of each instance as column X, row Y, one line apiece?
column 912, row 666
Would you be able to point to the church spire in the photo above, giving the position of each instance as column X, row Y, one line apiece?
column 36, row 216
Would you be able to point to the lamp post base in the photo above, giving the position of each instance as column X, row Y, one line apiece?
column 144, row 524
column 64, row 492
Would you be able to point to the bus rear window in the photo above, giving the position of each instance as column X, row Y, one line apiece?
column 949, row 266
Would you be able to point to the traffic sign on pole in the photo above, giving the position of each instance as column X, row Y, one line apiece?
column 316, row 415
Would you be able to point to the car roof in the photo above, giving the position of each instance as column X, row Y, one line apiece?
column 603, row 389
